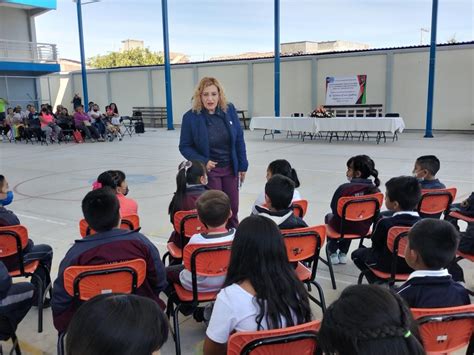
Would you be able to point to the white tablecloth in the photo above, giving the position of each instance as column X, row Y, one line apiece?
column 334, row 124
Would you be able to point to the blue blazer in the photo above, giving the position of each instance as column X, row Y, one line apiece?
column 194, row 140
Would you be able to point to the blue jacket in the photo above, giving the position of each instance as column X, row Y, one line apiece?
column 194, row 141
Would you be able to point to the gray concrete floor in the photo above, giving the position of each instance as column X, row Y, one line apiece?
column 50, row 181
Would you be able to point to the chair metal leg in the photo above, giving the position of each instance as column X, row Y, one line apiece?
column 322, row 301
column 60, row 345
column 360, row 278
column 15, row 345
column 40, row 296
column 177, row 340
column 331, row 271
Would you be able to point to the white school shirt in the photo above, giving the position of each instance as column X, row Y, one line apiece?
column 260, row 201
column 235, row 310
column 205, row 283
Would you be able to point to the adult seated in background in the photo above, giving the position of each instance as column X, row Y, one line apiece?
column 48, row 125
column 83, row 123
column 96, row 119
column 64, row 120
column 110, row 244
column 113, row 114
column 15, row 302
column 33, row 124
column 32, row 252
column 25, row 113
column 5, row 125
column 123, row 325
column 18, row 123
column 59, row 110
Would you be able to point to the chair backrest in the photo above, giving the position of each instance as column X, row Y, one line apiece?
column 304, row 243
column 445, row 330
column 434, row 202
column 13, row 239
column 187, row 223
column 204, row 259
column 397, row 240
column 300, row 339
column 359, row 208
column 87, row 281
column 131, row 222
column 300, row 207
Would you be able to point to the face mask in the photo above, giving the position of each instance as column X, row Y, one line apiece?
column 8, row 199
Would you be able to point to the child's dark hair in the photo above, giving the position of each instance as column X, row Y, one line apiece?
column 2, row 180
column 213, row 208
column 280, row 190
column 123, row 324
column 189, row 173
column 436, row 241
column 111, row 178
column 369, row 320
column 259, row 256
column 283, row 167
column 430, row 163
column 366, row 166
column 405, row 190
column 101, row 209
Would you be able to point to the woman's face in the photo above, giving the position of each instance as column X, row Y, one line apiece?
column 210, row 98
column 10, row 111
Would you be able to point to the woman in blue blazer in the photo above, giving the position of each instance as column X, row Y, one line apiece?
column 211, row 133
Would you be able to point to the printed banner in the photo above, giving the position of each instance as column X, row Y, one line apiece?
column 346, row 90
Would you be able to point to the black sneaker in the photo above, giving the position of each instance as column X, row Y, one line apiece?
column 198, row 314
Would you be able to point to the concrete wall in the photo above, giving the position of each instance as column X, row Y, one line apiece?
column 395, row 78
column 14, row 24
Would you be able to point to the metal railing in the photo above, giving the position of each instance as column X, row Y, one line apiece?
column 19, row 51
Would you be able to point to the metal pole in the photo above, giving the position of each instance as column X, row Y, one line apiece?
column 83, row 57
column 277, row 58
column 169, row 99
column 431, row 77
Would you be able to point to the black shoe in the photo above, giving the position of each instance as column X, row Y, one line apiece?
column 46, row 303
column 198, row 314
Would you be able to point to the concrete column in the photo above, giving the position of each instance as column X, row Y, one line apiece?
column 388, row 82
column 314, row 83
column 250, row 89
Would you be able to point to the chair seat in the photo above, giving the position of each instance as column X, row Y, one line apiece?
column 303, row 273
column 461, row 217
column 187, row 296
column 175, row 251
column 29, row 269
column 333, row 234
column 387, row 275
column 466, row 256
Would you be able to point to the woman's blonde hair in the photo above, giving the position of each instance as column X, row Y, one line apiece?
column 204, row 83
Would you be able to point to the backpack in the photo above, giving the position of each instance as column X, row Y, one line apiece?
column 78, row 136
column 139, row 127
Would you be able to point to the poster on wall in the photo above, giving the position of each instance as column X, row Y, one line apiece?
column 346, row 90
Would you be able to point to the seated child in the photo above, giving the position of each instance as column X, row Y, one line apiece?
column 402, row 196
column 368, row 319
column 261, row 290
column 110, row 244
column 123, row 324
column 191, row 182
column 425, row 170
column 431, row 247
column 359, row 169
column 279, row 191
column 282, row 167
column 214, row 211
column 466, row 208
column 32, row 252
column 116, row 180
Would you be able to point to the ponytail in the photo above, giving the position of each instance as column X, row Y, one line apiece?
column 294, row 177
column 375, row 174
column 366, row 166
column 283, row 167
column 177, row 200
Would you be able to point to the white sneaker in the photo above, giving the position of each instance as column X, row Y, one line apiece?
column 342, row 258
column 334, row 259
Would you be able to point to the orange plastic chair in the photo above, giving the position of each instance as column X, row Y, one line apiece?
column 202, row 260
column 303, row 244
column 300, row 207
column 462, row 217
column 445, row 330
column 186, row 223
column 353, row 209
column 131, row 222
column 86, row 281
column 13, row 239
column 396, row 243
column 434, row 202
column 300, row 339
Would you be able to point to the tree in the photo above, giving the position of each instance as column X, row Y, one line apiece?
column 452, row 39
column 129, row 58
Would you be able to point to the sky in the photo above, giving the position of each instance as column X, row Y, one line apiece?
column 208, row 28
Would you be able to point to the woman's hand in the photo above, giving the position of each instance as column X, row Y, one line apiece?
column 211, row 165
column 242, row 176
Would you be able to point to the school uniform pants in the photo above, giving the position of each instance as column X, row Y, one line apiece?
column 14, row 307
column 223, row 179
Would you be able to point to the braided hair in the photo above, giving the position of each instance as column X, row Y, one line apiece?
column 369, row 320
column 366, row 166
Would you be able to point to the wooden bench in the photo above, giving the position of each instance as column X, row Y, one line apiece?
column 370, row 110
column 150, row 115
